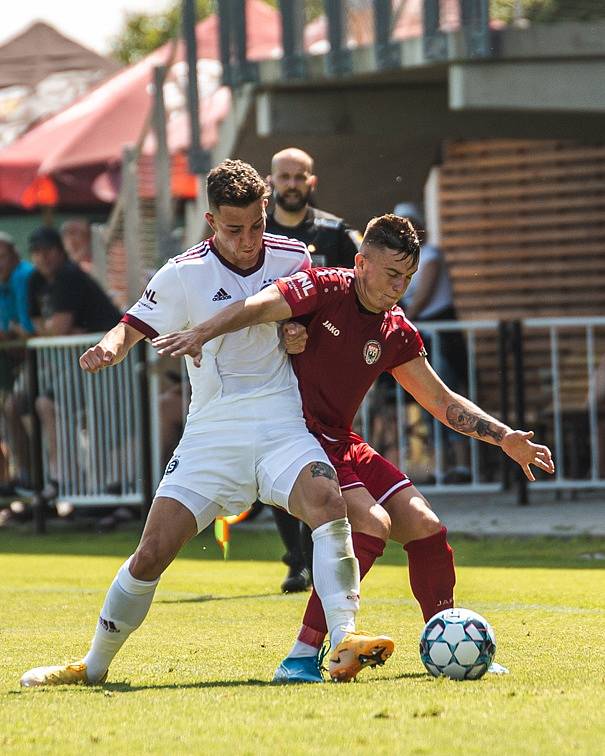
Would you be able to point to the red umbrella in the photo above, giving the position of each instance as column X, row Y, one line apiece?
column 88, row 137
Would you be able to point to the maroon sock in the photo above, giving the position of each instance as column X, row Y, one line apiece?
column 367, row 550
column 432, row 573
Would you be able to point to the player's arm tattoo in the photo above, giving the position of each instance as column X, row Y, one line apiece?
column 466, row 421
column 320, row 469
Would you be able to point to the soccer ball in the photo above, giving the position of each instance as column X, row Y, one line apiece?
column 457, row 643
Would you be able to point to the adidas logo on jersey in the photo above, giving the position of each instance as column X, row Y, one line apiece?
column 221, row 295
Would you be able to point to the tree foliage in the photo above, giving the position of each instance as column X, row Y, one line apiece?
column 145, row 32
column 547, row 10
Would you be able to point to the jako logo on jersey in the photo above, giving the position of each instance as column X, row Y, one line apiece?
column 150, row 296
column 221, row 295
column 172, row 465
column 372, row 351
column 332, row 328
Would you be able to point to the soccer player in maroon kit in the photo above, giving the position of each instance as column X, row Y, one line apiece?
column 355, row 332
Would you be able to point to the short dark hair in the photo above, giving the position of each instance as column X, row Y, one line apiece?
column 46, row 237
column 234, row 183
column 394, row 232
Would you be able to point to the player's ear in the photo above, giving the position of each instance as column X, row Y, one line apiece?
column 269, row 181
column 312, row 181
column 209, row 217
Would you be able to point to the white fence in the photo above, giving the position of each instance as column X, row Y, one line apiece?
column 95, row 451
column 102, row 444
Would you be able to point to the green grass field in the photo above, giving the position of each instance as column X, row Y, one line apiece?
column 195, row 678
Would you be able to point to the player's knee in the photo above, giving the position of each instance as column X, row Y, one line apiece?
column 380, row 523
column 147, row 562
column 334, row 505
column 427, row 523
column 327, row 506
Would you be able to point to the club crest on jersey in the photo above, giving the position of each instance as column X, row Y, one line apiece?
column 372, row 351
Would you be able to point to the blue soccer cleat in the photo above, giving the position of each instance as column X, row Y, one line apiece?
column 299, row 669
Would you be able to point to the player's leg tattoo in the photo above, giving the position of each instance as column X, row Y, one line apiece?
column 465, row 421
column 321, row 469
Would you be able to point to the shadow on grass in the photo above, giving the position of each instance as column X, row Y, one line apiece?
column 210, row 597
column 126, row 687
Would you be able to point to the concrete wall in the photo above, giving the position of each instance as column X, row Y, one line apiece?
column 374, row 143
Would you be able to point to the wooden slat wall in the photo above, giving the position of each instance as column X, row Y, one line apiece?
column 523, row 231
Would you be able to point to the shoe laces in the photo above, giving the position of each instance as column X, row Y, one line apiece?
column 323, row 652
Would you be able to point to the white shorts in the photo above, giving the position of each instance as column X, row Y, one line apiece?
column 223, row 467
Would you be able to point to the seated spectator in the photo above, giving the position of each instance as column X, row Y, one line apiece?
column 77, row 240
column 63, row 300
column 15, row 324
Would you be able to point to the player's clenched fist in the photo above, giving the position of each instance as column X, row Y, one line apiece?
column 295, row 337
column 96, row 358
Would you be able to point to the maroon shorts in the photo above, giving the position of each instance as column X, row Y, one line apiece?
column 359, row 466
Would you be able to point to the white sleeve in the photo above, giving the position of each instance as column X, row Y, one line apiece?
column 300, row 260
column 162, row 307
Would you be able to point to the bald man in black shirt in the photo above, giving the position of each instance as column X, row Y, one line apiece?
column 330, row 241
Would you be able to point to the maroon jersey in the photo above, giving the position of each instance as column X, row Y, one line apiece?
column 348, row 346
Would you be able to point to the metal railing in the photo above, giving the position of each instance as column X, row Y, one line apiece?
column 89, row 440
column 98, row 436
column 572, row 412
column 544, row 377
column 334, row 28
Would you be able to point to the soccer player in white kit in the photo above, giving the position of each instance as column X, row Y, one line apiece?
column 245, row 435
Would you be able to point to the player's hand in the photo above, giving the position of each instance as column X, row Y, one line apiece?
column 295, row 337
column 97, row 357
column 520, row 448
column 180, row 343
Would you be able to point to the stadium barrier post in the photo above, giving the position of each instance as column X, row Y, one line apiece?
column 35, row 443
column 503, row 350
column 292, row 26
column 519, row 383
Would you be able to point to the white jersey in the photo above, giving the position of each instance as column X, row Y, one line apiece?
column 193, row 287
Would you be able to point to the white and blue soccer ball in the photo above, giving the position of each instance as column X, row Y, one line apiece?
column 457, row 643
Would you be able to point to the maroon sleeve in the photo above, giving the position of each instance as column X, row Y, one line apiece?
column 411, row 344
column 305, row 290
column 139, row 325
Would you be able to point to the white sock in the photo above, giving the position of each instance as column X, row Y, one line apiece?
column 336, row 577
column 302, row 649
column 126, row 605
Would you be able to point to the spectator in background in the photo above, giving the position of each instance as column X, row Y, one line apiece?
column 430, row 297
column 15, row 324
column 63, row 300
column 329, row 240
column 15, row 273
column 331, row 243
column 77, row 240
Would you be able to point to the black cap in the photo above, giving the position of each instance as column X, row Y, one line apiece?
column 45, row 237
